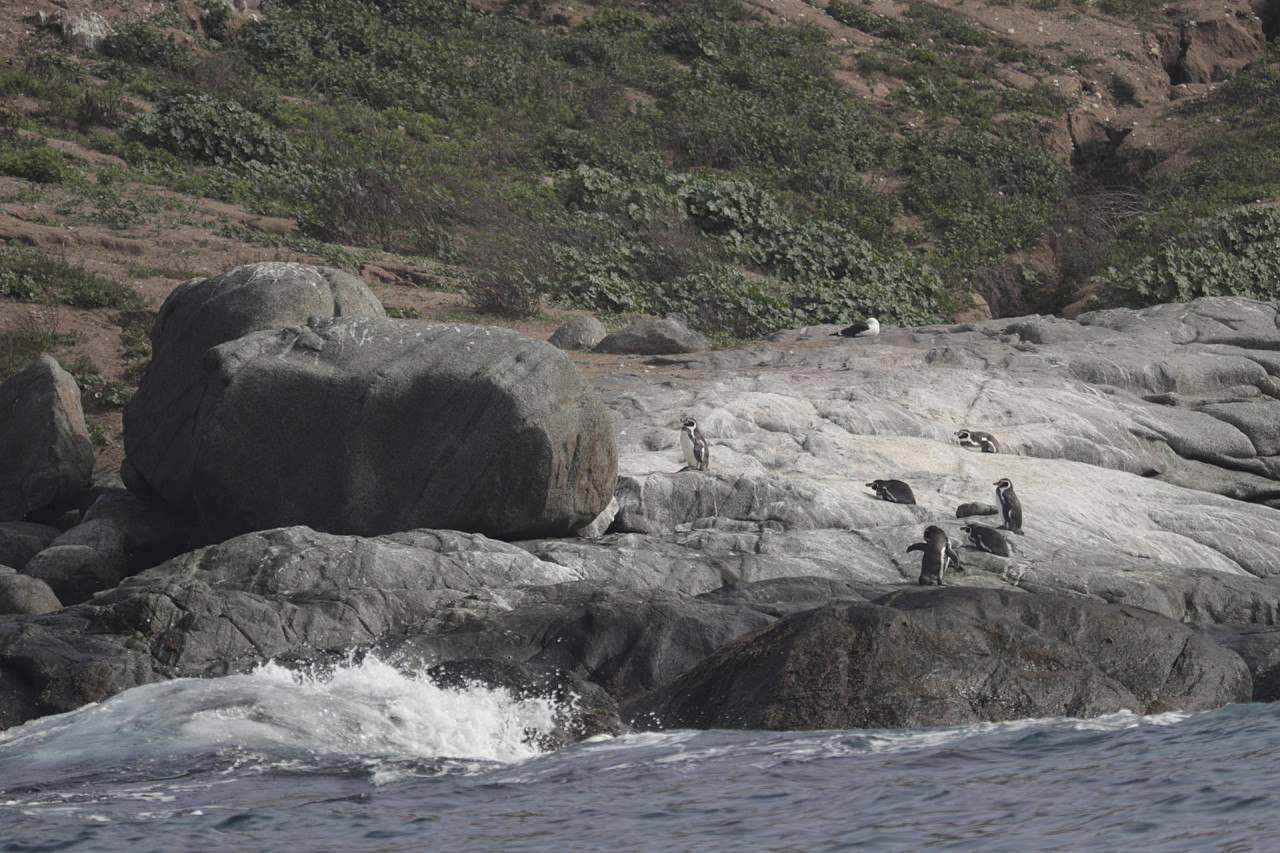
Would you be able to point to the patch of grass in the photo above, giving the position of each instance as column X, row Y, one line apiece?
column 332, row 254
column 99, row 435
column 31, row 276
column 34, row 334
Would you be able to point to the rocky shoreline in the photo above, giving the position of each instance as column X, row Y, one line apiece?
column 773, row 590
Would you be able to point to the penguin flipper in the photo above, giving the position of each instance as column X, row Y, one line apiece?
column 919, row 546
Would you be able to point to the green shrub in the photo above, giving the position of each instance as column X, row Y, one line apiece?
column 1235, row 253
column 31, row 339
column 40, row 164
column 986, row 195
column 723, row 302
column 733, row 209
column 378, row 188
column 504, row 292
column 141, row 44
column 949, row 28
column 211, row 130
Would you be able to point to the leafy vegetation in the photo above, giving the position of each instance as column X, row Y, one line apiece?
column 210, row 130
column 649, row 157
column 39, row 164
column 1235, row 253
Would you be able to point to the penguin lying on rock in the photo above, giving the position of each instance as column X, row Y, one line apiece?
column 893, row 491
column 978, row 440
column 988, row 539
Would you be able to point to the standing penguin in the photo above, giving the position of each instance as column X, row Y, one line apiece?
column 893, row 491
column 938, row 556
column 988, row 539
column 865, row 329
column 978, row 440
column 697, row 455
column 1010, row 506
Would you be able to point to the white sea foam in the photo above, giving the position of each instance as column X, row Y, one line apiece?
column 364, row 709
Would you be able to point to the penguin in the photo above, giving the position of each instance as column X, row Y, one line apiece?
column 988, row 539
column 697, row 455
column 978, row 440
column 893, row 491
column 865, row 329
column 1010, row 506
column 938, row 556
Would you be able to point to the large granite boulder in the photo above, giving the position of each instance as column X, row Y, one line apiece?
column 948, row 657
column 368, row 426
column 198, row 315
column 46, row 457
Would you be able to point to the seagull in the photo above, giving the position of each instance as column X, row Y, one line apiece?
column 865, row 329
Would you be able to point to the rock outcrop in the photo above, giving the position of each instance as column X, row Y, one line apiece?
column 948, row 657
column 370, row 426
column 1141, row 444
column 46, row 457
column 353, row 423
column 229, row 607
column 198, row 315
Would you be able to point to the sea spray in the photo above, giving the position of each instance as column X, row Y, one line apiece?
column 274, row 715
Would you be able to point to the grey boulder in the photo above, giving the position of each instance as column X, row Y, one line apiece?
column 46, row 457
column 198, row 315
column 367, row 426
column 666, row 336
column 948, row 657
column 230, row 607
column 21, row 594
column 580, row 333
column 22, row 540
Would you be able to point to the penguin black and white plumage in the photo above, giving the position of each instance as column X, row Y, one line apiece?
column 988, row 539
column 978, row 440
column 938, row 556
column 893, row 491
column 697, row 455
column 1010, row 506
column 865, row 329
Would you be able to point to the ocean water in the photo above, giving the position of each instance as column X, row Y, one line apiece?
column 369, row 759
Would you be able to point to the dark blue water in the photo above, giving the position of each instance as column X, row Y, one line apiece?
column 372, row 760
